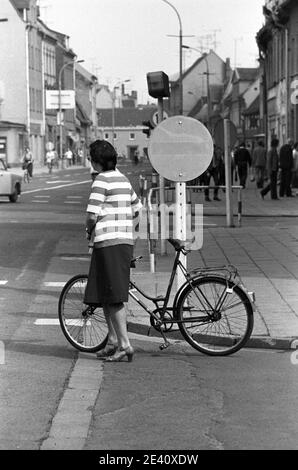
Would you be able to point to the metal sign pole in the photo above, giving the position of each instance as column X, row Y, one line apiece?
column 180, row 224
column 229, row 205
column 163, row 249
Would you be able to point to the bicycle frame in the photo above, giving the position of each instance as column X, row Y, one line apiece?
column 189, row 277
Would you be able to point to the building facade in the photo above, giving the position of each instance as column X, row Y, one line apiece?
column 36, row 59
column 278, row 47
column 125, row 131
column 21, row 109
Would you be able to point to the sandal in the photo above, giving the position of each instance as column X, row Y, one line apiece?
column 108, row 351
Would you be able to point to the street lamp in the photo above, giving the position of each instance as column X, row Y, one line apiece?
column 72, row 62
column 113, row 107
column 180, row 57
column 207, row 73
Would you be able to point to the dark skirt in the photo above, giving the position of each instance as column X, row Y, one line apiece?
column 109, row 274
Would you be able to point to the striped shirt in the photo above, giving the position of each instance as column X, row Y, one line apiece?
column 115, row 204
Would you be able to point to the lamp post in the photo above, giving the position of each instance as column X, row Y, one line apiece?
column 180, row 58
column 113, row 108
column 72, row 62
column 207, row 73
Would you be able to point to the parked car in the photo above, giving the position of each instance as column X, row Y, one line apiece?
column 10, row 183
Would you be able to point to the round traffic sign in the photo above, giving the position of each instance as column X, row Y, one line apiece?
column 155, row 117
column 180, row 149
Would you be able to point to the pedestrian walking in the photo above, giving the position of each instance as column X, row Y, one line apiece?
column 27, row 161
column 286, row 167
column 259, row 163
column 112, row 210
column 50, row 159
column 272, row 169
column 242, row 160
column 68, row 155
column 214, row 171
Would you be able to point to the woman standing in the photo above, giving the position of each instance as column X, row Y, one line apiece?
column 112, row 210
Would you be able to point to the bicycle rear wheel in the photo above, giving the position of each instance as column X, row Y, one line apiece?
column 83, row 326
column 215, row 316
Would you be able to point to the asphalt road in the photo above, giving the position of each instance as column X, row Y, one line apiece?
column 177, row 399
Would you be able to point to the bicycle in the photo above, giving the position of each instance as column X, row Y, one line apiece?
column 26, row 176
column 213, row 310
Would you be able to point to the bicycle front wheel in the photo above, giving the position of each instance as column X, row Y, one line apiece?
column 215, row 316
column 83, row 326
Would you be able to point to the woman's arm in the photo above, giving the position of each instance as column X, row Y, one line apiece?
column 90, row 224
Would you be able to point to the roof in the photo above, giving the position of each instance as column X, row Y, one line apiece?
column 82, row 114
column 8, row 124
column 254, row 108
column 247, row 74
column 175, row 77
column 21, row 4
column 87, row 75
column 125, row 117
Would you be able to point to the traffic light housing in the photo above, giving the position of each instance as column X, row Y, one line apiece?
column 158, row 85
column 149, row 126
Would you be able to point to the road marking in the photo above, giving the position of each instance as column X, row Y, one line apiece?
column 74, row 197
column 74, row 258
column 58, row 182
column 55, row 322
column 54, row 284
column 47, row 322
column 42, row 197
column 57, row 187
column 3, row 283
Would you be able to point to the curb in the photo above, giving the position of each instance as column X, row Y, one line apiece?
column 255, row 342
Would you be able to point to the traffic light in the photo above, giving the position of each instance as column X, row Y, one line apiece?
column 149, row 126
column 158, row 85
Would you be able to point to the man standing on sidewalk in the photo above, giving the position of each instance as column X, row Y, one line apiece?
column 286, row 166
column 213, row 171
column 272, row 168
column 259, row 163
column 242, row 162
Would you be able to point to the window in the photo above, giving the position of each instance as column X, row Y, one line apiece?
column 115, row 136
column 106, row 135
column 132, row 136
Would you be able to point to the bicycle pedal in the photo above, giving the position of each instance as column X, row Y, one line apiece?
column 164, row 346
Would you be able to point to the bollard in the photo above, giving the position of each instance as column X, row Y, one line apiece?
column 2, row 353
column 239, row 207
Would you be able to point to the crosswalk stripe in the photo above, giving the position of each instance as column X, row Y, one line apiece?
column 3, row 283
column 54, row 284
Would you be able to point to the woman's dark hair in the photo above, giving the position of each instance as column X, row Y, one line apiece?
column 274, row 142
column 103, row 152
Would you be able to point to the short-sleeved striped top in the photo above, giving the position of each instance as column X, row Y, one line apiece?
column 115, row 203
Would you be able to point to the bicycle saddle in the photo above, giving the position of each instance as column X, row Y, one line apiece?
column 179, row 245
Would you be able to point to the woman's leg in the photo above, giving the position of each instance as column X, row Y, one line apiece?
column 118, row 319
column 112, row 338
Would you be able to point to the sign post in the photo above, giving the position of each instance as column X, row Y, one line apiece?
column 229, row 205
column 180, row 149
column 163, row 247
column 225, row 136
